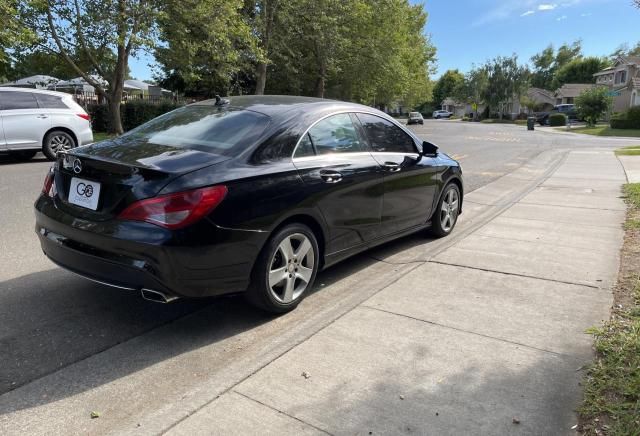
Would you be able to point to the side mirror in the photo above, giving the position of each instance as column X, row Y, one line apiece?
column 429, row 149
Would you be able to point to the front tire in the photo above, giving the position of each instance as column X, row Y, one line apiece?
column 285, row 270
column 55, row 141
column 445, row 217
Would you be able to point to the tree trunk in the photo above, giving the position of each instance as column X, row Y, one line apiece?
column 261, row 78
column 114, row 111
column 322, row 72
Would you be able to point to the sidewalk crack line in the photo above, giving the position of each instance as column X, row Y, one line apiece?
column 516, row 274
column 555, row 353
column 280, row 411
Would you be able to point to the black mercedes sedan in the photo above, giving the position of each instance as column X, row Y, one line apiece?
column 251, row 194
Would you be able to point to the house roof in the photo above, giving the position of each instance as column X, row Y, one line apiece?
column 632, row 59
column 572, row 89
column 450, row 101
column 541, row 95
column 37, row 80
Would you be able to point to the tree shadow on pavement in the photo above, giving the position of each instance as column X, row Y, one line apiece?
column 55, row 325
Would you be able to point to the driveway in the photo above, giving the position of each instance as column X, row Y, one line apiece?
column 69, row 346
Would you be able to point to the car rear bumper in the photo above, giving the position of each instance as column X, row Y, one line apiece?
column 201, row 261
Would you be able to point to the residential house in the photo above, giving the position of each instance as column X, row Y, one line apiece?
column 623, row 81
column 568, row 92
column 545, row 100
column 459, row 109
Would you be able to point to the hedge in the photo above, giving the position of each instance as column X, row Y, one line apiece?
column 627, row 120
column 556, row 120
column 132, row 114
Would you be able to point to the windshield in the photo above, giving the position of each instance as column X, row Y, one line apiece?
column 207, row 128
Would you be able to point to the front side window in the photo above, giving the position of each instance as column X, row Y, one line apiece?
column 17, row 100
column 384, row 136
column 336, row 134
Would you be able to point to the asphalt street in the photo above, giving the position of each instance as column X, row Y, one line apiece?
column 61, row 335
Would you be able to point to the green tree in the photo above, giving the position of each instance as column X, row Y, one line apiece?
column 579, row 70
column 450, row 84
column 506, row 81
column 592, row 104
column 624, row 50
column 207, row 46
column 12, row 32
column 94, row 28
column 542, row 75
column 549, row 61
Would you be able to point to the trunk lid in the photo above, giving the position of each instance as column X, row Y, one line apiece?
column 126, row 172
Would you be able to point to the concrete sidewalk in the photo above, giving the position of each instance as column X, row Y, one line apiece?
column 487, row 337
column 632, row 167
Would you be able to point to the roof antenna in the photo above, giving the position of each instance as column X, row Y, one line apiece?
column 221, row 101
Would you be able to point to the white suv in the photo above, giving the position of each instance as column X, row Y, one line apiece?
column 32, row 120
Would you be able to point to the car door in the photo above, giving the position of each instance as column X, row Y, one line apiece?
column 343, row 179
column 24, row 123
column 409, row 177
column 3, row 142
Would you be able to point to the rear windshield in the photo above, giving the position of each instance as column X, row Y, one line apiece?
column 414, row 114
column 208, row 128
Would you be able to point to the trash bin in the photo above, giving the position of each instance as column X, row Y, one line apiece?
column 531, row 122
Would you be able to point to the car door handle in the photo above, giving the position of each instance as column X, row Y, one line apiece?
column 43, row 116
column 330, row 176
column 392, row 167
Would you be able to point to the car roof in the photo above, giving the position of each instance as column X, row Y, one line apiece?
column 272, row 105
column 33, row 90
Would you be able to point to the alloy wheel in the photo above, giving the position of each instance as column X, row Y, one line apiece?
column 291, row 268
column 59, row 143
column 449, row 210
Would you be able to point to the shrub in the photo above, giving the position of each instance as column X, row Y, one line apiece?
column 132, row 113
column 556, row 120
column 627, row 120
column 592, row 104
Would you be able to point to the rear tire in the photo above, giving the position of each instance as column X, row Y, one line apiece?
column 444, row 220
column 55, row 141
column 285, row 270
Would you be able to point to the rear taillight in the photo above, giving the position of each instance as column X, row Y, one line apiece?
column 48, row 185
column 174, row 211
column 84, row 116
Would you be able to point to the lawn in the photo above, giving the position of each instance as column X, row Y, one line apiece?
column 101, row 136
column 611, row 404
column 604, row 131
column 633, row 150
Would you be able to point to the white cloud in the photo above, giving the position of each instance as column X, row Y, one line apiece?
column 564, row 17
column 527, row 13
column 588, row 14
column 547, row 6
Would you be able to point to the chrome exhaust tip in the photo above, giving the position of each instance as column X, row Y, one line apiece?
column 157, row 296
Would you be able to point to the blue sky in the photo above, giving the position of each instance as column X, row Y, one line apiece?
column 471, row 31
column 468, row 32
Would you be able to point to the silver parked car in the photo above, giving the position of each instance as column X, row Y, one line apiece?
column 441, row 114
column 33, row 120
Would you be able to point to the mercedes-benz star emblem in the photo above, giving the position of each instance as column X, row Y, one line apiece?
column 77, row 166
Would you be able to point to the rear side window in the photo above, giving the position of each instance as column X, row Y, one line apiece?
column 47, row 101
column 209, row 128
column 305, row 147
column 336, row 134
column 384, row 136
column 17, row 100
